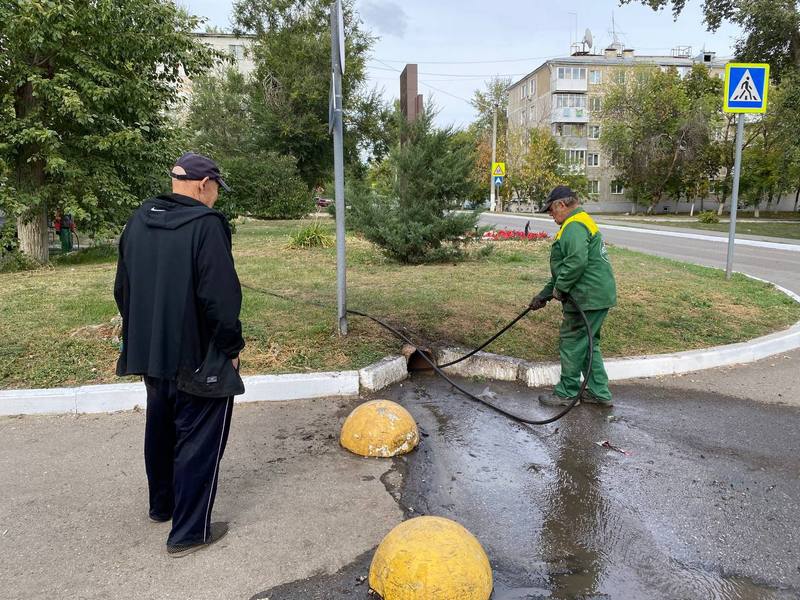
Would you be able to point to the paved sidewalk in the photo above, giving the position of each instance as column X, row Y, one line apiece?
column 73, row 507
column 774, row 380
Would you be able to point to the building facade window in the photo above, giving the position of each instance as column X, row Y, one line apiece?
column 593, row 159
column 619, row 76
column 594, row 186
column 595, row 76
column 577, row 73
column 617, row 188
column 595, row 103
column 570, row 101
column 574, row 157
column 594, row 132
column 236, row 51
column 569, row 129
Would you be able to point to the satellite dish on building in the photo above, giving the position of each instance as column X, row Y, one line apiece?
column 587, row 38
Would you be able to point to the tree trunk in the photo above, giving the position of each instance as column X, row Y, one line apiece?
column 719, row 209
column 32, row 232
column 796, row 198
column 30, row 178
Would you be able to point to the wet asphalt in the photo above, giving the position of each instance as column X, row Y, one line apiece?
column 703, row 504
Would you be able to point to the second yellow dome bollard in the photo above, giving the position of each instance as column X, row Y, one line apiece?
column 379, row 428
column 430, row 557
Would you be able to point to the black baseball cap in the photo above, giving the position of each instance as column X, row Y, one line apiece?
column 559, row 193
column 196, row 167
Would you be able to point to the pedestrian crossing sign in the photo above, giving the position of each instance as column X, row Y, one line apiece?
column 499, row 169
column 746, row 87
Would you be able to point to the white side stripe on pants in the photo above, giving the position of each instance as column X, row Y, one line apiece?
column 216, row 469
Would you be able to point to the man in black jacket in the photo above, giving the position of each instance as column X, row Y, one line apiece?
column 179, row 297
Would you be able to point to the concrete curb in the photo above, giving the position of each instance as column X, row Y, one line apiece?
column 126, row 396
column 259, row 388
column 383, row 373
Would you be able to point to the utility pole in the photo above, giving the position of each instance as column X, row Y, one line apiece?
column 492, row 191
column 335, row 118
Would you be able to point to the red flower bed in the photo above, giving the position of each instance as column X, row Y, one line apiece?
column 508, row 234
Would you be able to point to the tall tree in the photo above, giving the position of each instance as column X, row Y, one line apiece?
column 293, row 70
column 494, row 97
column 221, row 124
column 85, row 94
column 536, row 165
column 654, row 129
column 771, row 27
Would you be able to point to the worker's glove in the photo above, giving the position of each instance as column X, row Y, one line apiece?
column 558, row 295
column 537, row 303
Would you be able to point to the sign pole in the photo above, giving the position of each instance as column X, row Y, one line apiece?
column 746, row 87
column 492, row 192
column 735, row 193
column 337, row 64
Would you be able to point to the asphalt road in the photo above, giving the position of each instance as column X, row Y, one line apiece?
column 776, row 265
column 702, row 504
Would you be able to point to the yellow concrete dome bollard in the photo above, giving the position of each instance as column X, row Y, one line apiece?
column 430, row 557
column 379, row 428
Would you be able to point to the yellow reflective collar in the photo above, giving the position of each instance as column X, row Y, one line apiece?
column 582, row 218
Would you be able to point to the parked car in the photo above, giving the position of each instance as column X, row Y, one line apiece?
column 323, row 202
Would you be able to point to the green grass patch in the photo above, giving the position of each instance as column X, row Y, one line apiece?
column 56, row 326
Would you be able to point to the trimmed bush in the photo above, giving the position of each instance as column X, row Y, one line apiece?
column 708, row 216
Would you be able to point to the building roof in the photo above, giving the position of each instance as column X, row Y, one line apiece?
column 642, row 59
column 244, row 36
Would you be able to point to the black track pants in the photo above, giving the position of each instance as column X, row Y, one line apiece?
column 184, row 440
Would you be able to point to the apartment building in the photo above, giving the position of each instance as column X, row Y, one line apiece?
column 237, row 46
column 565, row 96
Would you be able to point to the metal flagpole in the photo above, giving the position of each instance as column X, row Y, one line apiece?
column 337, row 64
column 735, row 194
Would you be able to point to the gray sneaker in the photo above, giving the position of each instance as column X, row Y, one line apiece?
column 555, row 400
column 218, row 531
column 589, row 398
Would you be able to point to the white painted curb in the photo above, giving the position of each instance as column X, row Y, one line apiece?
column 125, row 396
column 383, row 373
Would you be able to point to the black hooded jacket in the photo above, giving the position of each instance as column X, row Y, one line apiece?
column 176, row 288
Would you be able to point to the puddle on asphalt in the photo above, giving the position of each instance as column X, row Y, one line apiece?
column 542, row 501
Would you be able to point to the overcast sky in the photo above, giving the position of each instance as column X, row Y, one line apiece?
column 459, row 44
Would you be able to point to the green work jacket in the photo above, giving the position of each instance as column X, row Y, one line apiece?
column 579, row 265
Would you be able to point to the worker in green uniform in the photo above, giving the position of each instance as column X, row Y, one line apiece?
column 580, row 268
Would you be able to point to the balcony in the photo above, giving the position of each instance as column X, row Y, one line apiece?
column 570, row 85
column 569, row 115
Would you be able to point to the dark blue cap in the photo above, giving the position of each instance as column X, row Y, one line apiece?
column 560, row 192
column 196, row 167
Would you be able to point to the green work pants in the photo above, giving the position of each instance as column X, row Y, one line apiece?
column 573, row 348
column 65, row 235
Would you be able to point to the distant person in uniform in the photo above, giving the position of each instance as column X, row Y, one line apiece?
column 580, row 268
column 179, row 297
column 64, row 226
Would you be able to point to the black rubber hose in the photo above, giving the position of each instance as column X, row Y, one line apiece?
column 438, row 368
column 515, row 417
